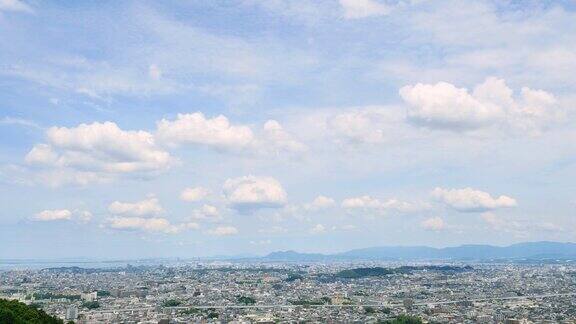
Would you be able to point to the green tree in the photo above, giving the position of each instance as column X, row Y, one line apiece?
column 91, row 305
column 15, row 312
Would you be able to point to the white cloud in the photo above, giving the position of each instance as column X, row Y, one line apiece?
column 223, row 231
column 154, row 224
column 14, row 5
column 318, row 229
column 276, row 139
column 250, row 192
column 490, row 104
column 219, row 133
column 196, row 129
column 515, row 228
column 53, row 215
column 320, row 202
column 433, row 224
column 521, row 229
column 194, row 194
column 206, row 212
column 361, row 202
column 82, row 216
column 442, row 105
column 471, row 200
column 98, row 150
column 355, row 9
column 146, row 207
column 369, row 203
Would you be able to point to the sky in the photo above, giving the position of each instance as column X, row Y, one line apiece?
column 134, row 129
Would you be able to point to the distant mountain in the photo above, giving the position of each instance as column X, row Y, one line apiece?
column 295, row 256
column 528, row 250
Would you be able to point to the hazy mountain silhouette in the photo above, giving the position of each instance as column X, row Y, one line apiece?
column 527, row 250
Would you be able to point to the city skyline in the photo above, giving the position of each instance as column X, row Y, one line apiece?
column 192, row 129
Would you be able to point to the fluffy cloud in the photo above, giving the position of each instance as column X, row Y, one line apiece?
column 206, row 212
column 196, row 129
column 471, row 200
column 355, row 9
column 146, row 207
column 276, row 139
column 223, row 231
column 154, row 224
column 368, row 203
column 250, row 192
column 219, row 133
column 320, row 202
column 194, row 194
column 433, row 224
column 82, row 216
column 99, row 150
column 52, row 215
column 492, row 103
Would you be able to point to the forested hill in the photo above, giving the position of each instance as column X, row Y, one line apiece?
column 15, row 312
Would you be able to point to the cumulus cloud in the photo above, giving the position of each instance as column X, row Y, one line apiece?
column 194, row 194
column 195, row 128
column 369, row 203
column 223, row 231
column 146, row 207
column 251, row 192
column 98, row 150
column 356, row 9
column 276, row 139
column 433, row 224
column 320, row 202
column 492, row 103
column 206, row 212
column 471, row 200
column 219, row 133
column 84, row 216
column 47, row 215
column 154, row 224
column 53, row 215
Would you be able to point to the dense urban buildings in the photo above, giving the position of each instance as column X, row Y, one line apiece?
column 222, row 291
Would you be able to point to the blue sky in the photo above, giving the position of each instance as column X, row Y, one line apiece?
column 196, row 128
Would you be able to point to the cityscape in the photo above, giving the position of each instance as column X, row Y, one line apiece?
column 280, row 288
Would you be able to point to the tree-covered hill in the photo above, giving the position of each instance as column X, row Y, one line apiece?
column 15, row 312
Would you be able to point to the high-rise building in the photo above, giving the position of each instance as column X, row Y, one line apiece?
column 71, row 313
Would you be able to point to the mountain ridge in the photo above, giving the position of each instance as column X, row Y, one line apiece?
column 524, row 250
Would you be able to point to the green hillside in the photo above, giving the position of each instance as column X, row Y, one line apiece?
column 15, row 312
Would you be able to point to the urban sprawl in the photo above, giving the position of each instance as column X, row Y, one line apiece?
column 274, row 292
